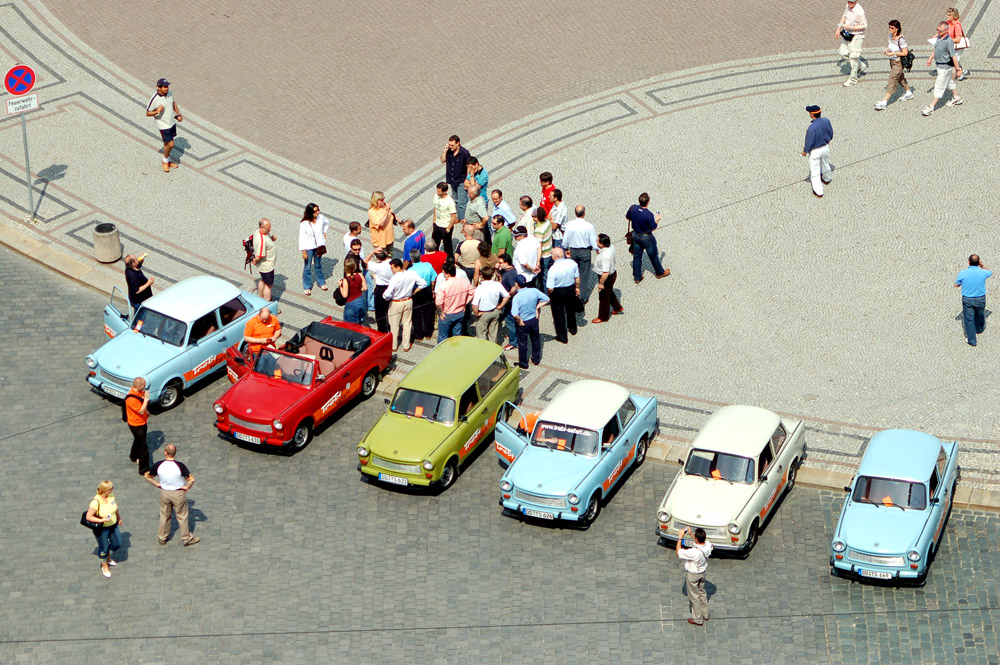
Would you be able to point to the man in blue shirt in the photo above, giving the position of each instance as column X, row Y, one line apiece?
column 415, row 240
column 817, row 147
column 478, row 176
column 562, row 281
column 972, row 281
column 501, row 208
column 525, row 307
column 643, row 224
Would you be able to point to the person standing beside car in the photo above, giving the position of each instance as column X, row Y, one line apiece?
column 140, row 288
column 354, row 289
column 896, row 50
column 137, row 417
column 260, row 331
column 695, row 560
column 103, row 510
column 264, row 257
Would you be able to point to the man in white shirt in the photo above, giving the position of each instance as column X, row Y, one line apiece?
column 580, row 240
column 604, row 268
column 164, row 109
column 558, row 216
column 380, row 268
column 695, row 560
column 854, row 23
column 500, row 207
column 562, row 283
column 174, row 481
column 527, row 254
column 527, row 214
column 488, row 303
column 445, row 217
column 399, row 293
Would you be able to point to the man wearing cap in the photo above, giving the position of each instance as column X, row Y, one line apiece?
column 163, row 109
column 817, row 148
column 854, row 23
column 526, row 307
column 527, row 254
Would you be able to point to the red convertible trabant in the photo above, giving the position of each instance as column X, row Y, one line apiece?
column 290, row 391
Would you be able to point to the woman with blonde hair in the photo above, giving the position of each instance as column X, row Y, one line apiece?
column 380, row 220
column 103, row 509
column 957, row 35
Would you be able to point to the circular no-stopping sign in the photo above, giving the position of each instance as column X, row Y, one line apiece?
column 19, row 80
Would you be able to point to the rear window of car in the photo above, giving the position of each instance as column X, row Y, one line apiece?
column 890, row 493
column 158, row 326
column 719, row 466
column 416, row 404
column 565, row 437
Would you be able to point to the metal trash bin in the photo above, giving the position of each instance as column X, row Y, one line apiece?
column 107, row 244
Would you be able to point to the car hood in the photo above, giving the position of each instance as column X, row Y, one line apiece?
column 399, row 438
column 709, row 502
column 132, row 354
column 268, row 398
column 880, row 530
column 546, row 471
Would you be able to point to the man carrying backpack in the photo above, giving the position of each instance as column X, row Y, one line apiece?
column 263, row 258
column 136, row 412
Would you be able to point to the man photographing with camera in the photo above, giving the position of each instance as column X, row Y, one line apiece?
column 695, row 560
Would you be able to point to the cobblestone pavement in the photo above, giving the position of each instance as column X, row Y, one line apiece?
column 301, row 562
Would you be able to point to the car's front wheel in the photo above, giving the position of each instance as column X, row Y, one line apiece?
column 593, row 509
column 171, row 396
column 302, row 436
column 369, row 384
column 449, row 474
column 751, row 540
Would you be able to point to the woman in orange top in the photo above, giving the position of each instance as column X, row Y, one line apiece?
column 957, row 34
column 380, row 222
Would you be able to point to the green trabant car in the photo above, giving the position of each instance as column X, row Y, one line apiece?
column 442, row 410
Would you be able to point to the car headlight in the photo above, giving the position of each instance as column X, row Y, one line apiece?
column 839, row 546
column 913, row 555
column 219, row 409
column 663, row 516
column 506, row 485
column 572, row 498
column 362, row 451
column 277, row 424
column 91, row 363
column 734, row 529
column 428, row 465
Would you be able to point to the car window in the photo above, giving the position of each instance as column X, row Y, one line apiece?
column 565, row 437
column 232, row 310
column 610, row 432
column 934, row 482
column 719, row 466
column 626, row 411
column 492, row 376
column 468, row 402
column 764, row 460
column 158, row 326
column 434, row 408
column 289, row 369
column 203, row 327
column 778, row 439
column 890, row 493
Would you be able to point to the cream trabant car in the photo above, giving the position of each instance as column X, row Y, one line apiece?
column 739, row 464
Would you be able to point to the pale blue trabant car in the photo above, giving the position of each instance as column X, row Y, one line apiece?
column 893, row 519
column 176, row 338
column 564, row 464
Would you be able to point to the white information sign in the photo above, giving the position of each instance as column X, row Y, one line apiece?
column 21, row 104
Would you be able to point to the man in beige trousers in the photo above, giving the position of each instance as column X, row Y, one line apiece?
column 695, row 560
column 174, row 481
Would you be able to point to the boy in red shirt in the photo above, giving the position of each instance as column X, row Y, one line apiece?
column 547, row 188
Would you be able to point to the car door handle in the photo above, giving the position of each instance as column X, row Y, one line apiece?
column 222, row 339
column 347, row 373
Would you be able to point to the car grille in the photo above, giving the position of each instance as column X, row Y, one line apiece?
column 114, row 378
column 552, row 501
column 246, row 424
column 896, row 561
column 395, row 466
column 717, row 533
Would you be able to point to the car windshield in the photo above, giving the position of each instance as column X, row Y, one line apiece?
column 565, row 437
column 281, row 366
column 889, row 493
column 720, row 466
column 158, row 326
column 417, row 404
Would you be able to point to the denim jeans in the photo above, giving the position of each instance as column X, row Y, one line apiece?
column 545, row 264
column 511, row 328
column 451, row 326
column 371, row 291
column 312, row 267
column 645, row 242
column 354, row 311
column 461, row 197
column 109, row 539
column 974, row 317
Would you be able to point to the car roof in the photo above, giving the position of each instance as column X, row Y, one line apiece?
column 190, row 298
column 902, row 454
column 589, row 403
column 737, row 430
column 452, row 366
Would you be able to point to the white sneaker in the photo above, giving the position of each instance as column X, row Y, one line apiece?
column 880, row 106
column 955, row 101
column 907, row 96
column 928, row 110
column 849, row 82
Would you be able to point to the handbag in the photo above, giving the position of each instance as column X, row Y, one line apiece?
column 907, row 60
column 320, row 251
column 339, row 297
column 93, row 526
column 845, row 35
column 963, row 44
column 628, row 238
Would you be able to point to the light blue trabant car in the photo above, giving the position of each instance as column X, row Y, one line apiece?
column 176, row 338
column 893, row 519
column 564, row 464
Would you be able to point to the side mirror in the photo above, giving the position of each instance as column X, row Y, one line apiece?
column 320, row 378
column 463, row 419
column 847, row 489
column 680, row 461
column 763, row 478
column 387, row 401
column 935, row 500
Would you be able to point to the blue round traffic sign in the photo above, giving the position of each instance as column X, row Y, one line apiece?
column 20, row 79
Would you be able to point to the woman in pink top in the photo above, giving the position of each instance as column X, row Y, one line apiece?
column 957, row 34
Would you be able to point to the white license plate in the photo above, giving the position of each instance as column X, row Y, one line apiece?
column 395, row 480
column 111, row 391
column 538, row 513
column 687, row 542
column 876, row 574
column 246, row 437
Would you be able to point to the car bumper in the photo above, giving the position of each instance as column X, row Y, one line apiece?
column 109, row 389
column 545, row 513
column 251, row 437
column 395, row 477
column 717, row 543
column 863, row 571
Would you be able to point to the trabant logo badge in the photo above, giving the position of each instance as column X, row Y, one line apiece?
column 876, row 544
column 249, row 410
column 395, row 452
column 698, row 516
column 539, row 486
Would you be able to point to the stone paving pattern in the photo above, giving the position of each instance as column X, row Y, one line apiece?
column 302, row 562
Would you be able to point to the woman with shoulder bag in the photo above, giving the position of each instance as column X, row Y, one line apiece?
column 957, row 35
column 103, row 510
column 896, row 50
column 353, row 289
column 312, row 243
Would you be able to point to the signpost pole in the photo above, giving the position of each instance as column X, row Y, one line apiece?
column 27, row 169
